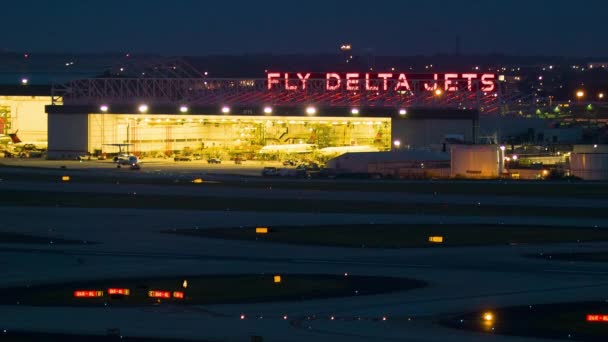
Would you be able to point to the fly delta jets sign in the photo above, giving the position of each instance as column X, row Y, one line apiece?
column 384, row 81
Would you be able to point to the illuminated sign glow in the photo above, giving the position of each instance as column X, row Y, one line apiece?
column 178, row 294
column 122, row 292
column 597, row 318
column 88, row 293
column 159, row 294
column 261, row 230
column 384, row 81
column 436, row 239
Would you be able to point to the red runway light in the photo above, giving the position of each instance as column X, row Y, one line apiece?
column 122, row 292
column 88, row 293
column 597, row 318
column 159, row 294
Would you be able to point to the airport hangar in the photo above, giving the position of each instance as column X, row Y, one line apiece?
column 269, row 117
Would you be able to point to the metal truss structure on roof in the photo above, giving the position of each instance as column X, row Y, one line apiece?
column 200, row 91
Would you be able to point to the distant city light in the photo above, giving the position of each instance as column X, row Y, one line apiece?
column 502, row 147
column 103, row 108
column 397, row 143
column 600, row 95
column 346, row 47
column 488, row 317
column 515, row 157
column 24, row 81
column 183, row 109
column 402, row 111
column 354, row 111
column 580, row 94
column 438, row 92
column 143, row 108
column 268, row 110
column 225, row 109
column 311, row 110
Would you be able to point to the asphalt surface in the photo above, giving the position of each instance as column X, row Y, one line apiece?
column 130, row 244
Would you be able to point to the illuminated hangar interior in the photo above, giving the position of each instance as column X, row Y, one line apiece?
column 230, row 136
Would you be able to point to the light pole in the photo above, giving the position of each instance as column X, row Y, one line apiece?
column 579, row 95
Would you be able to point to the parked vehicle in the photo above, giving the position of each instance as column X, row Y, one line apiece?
column 182, row 158
column 128, row 160
column 214, row 161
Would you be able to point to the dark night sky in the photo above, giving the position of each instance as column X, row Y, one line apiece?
column 398, row 27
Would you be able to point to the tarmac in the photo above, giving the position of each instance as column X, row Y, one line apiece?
column 461, row 279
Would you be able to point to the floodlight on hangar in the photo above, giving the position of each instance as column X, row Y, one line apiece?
column 354, row 111
column 143, row 108
column 268, row 110
column 225, row 109
column 183, row 109
column 310, row 110
column 103, row 108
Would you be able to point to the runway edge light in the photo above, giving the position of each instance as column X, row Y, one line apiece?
column 277, row 279
column 261, row 230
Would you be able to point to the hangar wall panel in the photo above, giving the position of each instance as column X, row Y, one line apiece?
column 430, row 132
column 589, row 166
column 68, row 135
column 476, row 161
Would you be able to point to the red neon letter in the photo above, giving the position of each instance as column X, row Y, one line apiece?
column 352, row 81
column 402, row 82
column 469, row 78
column 367, row 85
column 271, row 79
column 303, row 79
column 385, row 76
column 335, row 86
column 287, row 86
column 427, row 87
column 448, row 82
column 488, row 81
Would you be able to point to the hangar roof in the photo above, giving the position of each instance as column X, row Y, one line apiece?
column 25, row 90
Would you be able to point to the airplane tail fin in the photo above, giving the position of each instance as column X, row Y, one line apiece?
column 14, row 138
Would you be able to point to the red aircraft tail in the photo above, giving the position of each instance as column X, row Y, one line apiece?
column 14, row 138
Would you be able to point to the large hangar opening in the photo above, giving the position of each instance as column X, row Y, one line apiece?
column 230, row 136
